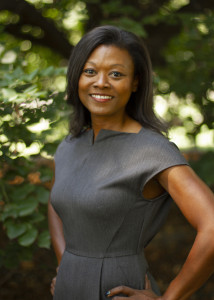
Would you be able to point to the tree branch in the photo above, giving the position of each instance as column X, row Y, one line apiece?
column 158, row 35
column 200, row 6
column 29, row 15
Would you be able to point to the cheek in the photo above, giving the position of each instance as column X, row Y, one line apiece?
column 125, row 91
column 80, row 85
column 82, row 89
column 84, row 85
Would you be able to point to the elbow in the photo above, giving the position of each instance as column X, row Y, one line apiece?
column 207, row 235
column 210, row 232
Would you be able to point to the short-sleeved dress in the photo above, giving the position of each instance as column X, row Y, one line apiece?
column 106, row 221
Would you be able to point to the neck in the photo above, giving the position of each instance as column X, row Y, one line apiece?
column 111, row 123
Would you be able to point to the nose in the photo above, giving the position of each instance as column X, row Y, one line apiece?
column 101, row 81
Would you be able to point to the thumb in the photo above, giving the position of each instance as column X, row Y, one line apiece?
column 147, row 283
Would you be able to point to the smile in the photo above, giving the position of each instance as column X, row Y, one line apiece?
column 101, row 98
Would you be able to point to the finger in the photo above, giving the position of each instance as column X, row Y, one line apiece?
column 53, row 283
column 120, row 289
column 119, row 298
column 148, row 285
column 52, row 290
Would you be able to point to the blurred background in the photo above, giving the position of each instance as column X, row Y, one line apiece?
column 36, row 39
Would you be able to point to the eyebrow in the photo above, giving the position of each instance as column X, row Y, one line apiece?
column 113, row 65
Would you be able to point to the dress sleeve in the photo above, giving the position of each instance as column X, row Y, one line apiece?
column 60, row 149
column 57, row 152
column 161, row 154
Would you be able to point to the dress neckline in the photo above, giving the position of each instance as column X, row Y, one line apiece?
column 103, row 133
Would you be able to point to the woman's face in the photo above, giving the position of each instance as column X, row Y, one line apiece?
column 107, row 81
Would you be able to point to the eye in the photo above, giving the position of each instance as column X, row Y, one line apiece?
column 89, row 72
column 116, row 74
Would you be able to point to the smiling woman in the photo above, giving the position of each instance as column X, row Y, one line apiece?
column 140, row 102
column 115, row 177
column 106, row 84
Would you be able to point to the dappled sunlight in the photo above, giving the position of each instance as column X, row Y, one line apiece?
column 25, row 45
column 40, row 126
column 203, row 28
column 205, row 138
column 210, row 95
column 176, row 4
column 72, row 21
column 60, row 83
column 20, row 149
column 179, row 137
column 188, row 117
column 192, row 111
column 40, row 1
column 9, row 57
column 161, row 105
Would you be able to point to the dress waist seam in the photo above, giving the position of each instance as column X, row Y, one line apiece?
column 102, row 256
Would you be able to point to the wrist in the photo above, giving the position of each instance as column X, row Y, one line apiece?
column 163, row 297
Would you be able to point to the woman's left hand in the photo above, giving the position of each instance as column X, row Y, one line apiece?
column 146, row 294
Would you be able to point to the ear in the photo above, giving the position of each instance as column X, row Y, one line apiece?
column 135, row 84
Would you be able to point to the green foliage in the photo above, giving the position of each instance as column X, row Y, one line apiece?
column 123, row 15
column 27, row 98
column 189, row 70
column 32, row 105
column 181, row 45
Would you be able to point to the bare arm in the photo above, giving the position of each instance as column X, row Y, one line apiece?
column 196, row 202
column 56, row 231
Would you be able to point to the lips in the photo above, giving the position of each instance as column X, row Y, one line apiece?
column 101, row 97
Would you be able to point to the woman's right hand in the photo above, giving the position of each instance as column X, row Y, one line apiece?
column 53, row 283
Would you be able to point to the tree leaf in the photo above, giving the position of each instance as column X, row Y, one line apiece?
column 14, row 230
column 27, row 207
column 36, row 217
column 29, row 237
column 22, row 192
column 9, row 94
column 48, row 71
column 44, row 240
column 43, row 195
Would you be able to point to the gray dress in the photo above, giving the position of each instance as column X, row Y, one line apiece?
column 106, row 221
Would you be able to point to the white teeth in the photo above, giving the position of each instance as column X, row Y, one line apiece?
column 101, row 97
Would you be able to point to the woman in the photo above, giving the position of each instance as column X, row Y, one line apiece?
column 115, row 177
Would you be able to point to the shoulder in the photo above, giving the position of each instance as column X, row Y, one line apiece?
column 159, row 148
column 67, row 139
column 63, row 145
column 152, row 138
column 68, row 143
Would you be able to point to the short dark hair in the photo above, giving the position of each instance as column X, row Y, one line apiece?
column 140, row 104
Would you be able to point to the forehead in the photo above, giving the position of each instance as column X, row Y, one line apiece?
column 111, row 55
